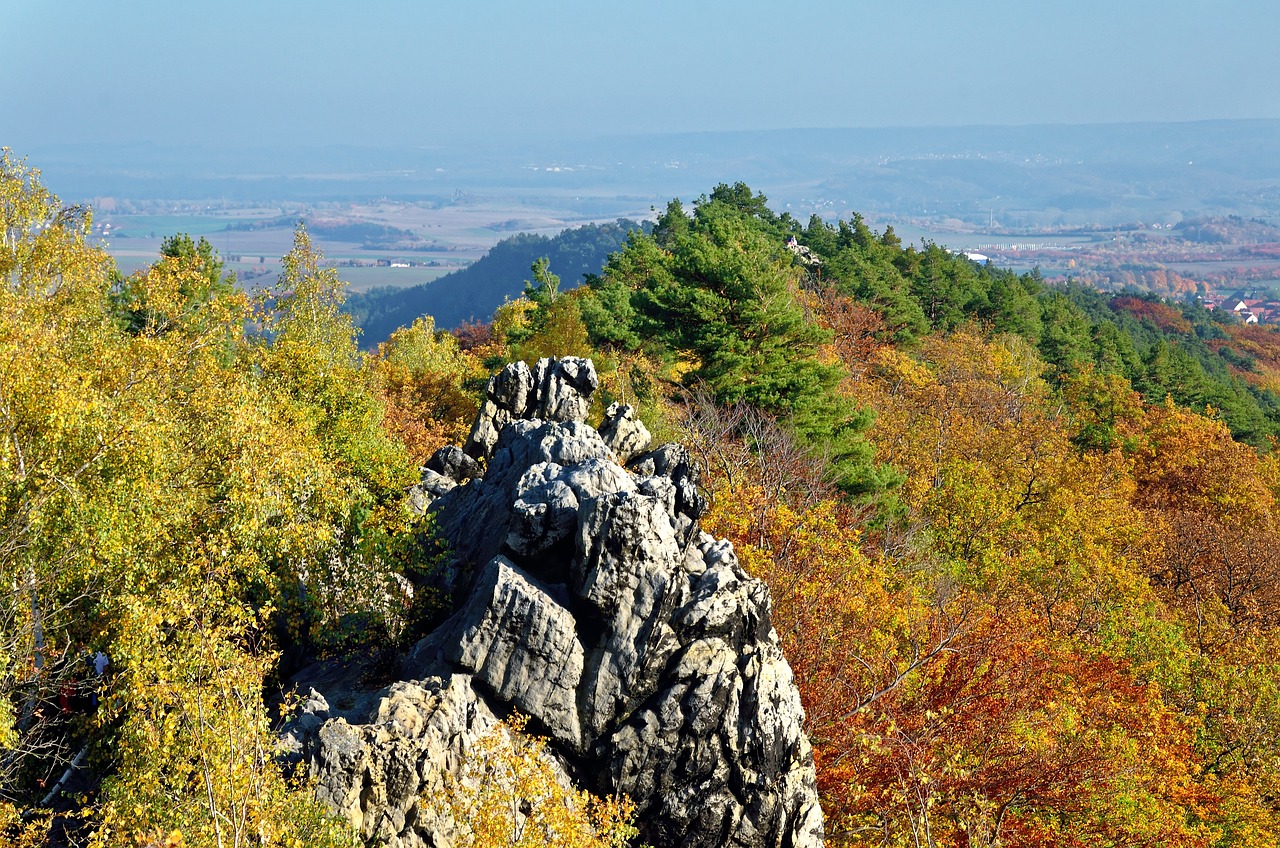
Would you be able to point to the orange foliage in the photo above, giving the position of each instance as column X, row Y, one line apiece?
column 425, row 381
column 1261, row 343
column 956, row 713
column 854, row 328
column 1212, row 500
column 1163, row 316
column 1062, row 633
column 425, row 412
column 1017, row 738
column 993, row 672
column 1189, row 461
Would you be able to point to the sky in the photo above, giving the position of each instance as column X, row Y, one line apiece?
column 379, row 73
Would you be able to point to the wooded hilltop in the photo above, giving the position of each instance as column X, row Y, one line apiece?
column 1022, row 540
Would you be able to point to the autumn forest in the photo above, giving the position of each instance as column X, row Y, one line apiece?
column 1022, row 539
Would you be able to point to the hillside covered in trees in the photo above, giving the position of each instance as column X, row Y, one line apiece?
column 1020, row 539
column 475, row 291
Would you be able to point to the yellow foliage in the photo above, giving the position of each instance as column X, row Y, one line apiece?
column 554, row 329
column 194, row 749
column 168, row 487
column 429, row 387
column 20, row 832
column 507, row 795
column 512, row 318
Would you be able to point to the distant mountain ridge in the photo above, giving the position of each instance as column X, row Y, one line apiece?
column 474, row 292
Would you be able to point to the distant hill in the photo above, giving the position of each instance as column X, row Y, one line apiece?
column 474, row 292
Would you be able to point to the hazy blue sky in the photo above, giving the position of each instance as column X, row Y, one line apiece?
column 265, row 72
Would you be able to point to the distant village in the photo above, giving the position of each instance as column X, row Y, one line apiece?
column 1250, row 310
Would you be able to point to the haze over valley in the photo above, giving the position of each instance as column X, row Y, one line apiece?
column 1105, row 203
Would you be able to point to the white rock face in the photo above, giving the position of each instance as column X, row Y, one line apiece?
column 624, row 433
column 375, row 773
column 589, row 599
column 523, row 645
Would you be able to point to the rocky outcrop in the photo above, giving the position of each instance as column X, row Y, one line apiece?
column 555, row 390
column 589, row 599
column 625, row 434
column 804, row 257
column 374, row 772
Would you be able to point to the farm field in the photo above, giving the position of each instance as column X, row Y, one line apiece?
column 253, row 238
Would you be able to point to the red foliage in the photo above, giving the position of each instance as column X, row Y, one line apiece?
column 474, row 335
column 1165, row 317
column 1009, row 736
column 854, row 328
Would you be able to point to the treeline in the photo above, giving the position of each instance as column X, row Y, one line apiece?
column 334, row 228
column 1203, row 360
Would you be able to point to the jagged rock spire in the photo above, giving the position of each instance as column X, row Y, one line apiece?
column 589, row 599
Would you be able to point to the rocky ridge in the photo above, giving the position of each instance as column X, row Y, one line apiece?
column 589, row 599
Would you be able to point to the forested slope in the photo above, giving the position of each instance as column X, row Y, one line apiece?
column 1020, row 539
column 475, row 291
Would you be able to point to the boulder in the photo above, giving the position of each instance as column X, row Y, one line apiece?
column 563, row 388
column 555, row 390
column 374, row 773
column 522, row 645
column 453, row 462
column 625, row 434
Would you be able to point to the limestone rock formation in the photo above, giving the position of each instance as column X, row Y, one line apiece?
column 588, row 598
column 625, row 434
column 375, row 772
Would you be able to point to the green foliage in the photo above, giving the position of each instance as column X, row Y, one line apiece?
column 724, row 295
column 1065, row 343
column 545, row 286
column 1014, row 305
column 552, row 326
column 718, row 296
column 671, row 224
column 947, row 289
column 819, row 236
column 742, row 199
column 1181, row 350
column 138, row 306
column 477, row 290
column 871, row 277
column 608, row 304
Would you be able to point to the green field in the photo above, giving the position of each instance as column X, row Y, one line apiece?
column 159, row 226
